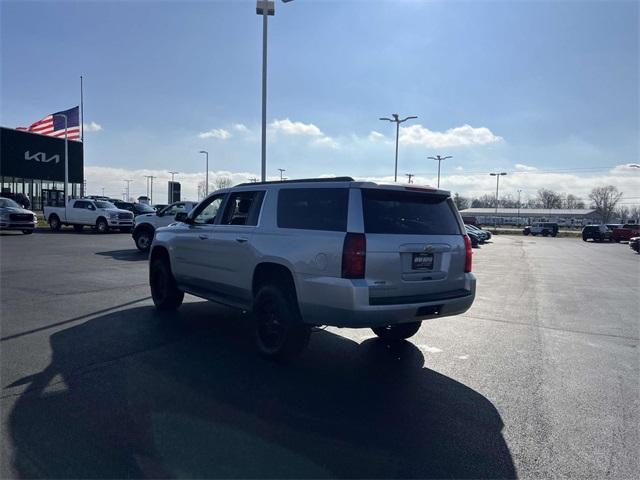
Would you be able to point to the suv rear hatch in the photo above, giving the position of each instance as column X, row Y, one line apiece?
column 415, row 247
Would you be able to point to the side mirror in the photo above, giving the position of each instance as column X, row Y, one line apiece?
column 181, row 216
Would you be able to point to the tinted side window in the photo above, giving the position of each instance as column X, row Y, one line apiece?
column 243, row 208
column 80, row 204
column 313, row 208
column 408, row 213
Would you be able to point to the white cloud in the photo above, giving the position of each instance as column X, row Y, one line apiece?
column 91, row 127
column 218, row 133
column 375, row 136
column 525, row 168
column 454, row 137
column 288, row 127
column 468, row 185
column 239, row 127
column 326, row 142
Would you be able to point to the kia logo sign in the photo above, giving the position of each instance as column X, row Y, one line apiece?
column 41, row 157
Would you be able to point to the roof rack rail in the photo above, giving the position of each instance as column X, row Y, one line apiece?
column 298, row 180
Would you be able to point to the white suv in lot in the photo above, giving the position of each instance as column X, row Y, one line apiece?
column 305, row 253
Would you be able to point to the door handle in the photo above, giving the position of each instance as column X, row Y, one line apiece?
column 242, row 239
column 203, row 237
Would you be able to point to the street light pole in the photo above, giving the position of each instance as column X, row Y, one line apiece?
column 66, row 161
column 171, row 191
column 206, row 177
column 396, row 119
column 265, row 8
column 439, row 159
column 497, row 175
column 518, row 222
column 128, row 182
column 409, row 175
column 282, row 170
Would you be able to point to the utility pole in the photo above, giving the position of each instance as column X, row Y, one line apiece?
column 439, row 159
column 396, row 119
column 171, row 191
column 497, row 175
column 128, row 182
column 281, row 170
column 206, row 176
column 410, row 175
column 518, row 223
column 150, row 190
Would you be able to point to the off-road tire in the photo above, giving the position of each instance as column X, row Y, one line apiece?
column 279, row 332
column 400, row 331
column 164, row 291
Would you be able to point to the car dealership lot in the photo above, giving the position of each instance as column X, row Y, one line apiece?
column 539, row 378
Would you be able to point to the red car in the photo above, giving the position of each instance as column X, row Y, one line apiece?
column 625, row 232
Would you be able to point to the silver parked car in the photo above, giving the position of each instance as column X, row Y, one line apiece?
column 315, row 252
column 14, row 217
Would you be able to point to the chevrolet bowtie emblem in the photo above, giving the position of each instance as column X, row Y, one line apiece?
column 428, row 248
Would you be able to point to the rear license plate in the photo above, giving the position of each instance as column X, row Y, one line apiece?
column 422, row 261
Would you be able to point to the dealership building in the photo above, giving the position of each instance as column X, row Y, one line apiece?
column 576, row 217
column 33, row 164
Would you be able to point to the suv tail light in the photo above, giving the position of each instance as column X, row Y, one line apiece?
column 354, row 255
column 468, row 254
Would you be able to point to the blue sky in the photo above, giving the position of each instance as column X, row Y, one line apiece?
column 498, row 85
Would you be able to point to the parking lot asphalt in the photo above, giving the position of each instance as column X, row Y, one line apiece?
column 540, row 378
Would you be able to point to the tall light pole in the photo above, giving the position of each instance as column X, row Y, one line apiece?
column 281, row 170
column 497, row 175
column 206, row 177
column 150, row 190
column 128, row 182
column 518, row 222
column 396, row 119
column 66, row 159
column 171, row 191
column 265, row 8
column 409, row 176
column 439, row 159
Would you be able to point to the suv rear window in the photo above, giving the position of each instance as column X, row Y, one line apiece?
column 408, row 213
column 313, row 208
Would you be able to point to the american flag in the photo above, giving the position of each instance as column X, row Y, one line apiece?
column 53, row 125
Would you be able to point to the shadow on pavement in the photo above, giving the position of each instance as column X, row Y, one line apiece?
column 139, row 394
column 130, row 255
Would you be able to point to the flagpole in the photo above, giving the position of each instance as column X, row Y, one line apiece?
column 82, row 192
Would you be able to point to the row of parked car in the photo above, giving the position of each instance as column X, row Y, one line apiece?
column 477, row 235
column 611, row 232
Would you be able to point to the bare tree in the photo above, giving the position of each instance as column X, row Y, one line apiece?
column 604, row 200
column 634, row 214
column 572, row 202
column 548, row 199
column 222, row 182
column 485, row 201
column 461, row 202
column 622, row 213
column 508, row 201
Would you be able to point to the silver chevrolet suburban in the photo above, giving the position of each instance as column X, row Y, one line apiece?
column 304, row 253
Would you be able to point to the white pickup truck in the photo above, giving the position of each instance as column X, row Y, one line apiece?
column 100, row 214
column 146, row 224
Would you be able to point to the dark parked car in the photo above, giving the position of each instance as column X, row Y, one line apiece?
column 634, row 243
column 597, row 233
column 135, row 208
column 475, row 238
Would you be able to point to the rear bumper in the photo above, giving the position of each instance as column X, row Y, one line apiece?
column 341, row 302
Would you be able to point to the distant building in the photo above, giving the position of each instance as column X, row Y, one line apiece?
column 577, row 217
